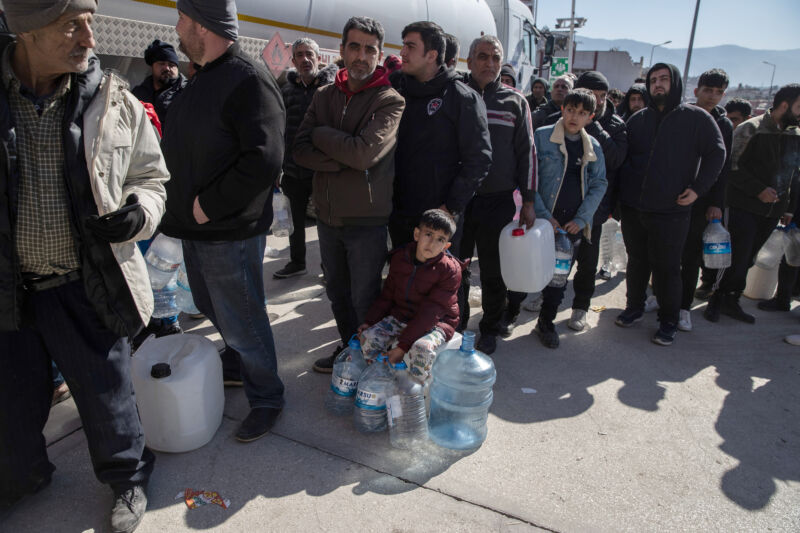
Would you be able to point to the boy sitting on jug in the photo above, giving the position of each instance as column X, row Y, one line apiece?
column 417, row 310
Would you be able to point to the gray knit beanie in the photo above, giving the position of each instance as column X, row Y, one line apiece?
column 219, row 16
column 28, row 15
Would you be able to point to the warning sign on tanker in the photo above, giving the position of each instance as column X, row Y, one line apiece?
column 277, row 55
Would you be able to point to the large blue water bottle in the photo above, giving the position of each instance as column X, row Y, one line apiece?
column 347, row 367
column 563, row 259
column 461, row 394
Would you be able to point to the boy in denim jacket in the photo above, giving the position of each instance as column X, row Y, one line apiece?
column 572, row 181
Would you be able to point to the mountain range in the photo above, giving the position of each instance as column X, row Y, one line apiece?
column 743, row 65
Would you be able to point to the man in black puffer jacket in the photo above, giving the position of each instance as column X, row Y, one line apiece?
column 675, row 153
column 164, row 83
column 299, row 89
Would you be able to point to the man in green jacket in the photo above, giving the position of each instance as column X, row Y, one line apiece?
column 762, row 189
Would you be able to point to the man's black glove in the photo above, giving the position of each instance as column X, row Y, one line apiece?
column 120, row 225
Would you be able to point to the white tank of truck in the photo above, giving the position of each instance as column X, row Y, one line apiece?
column 124, row 28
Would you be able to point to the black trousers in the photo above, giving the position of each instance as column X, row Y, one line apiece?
column 692, row 260
column 96, row 365
column 748, row 232
column 587, row 257
column 298, row 190
column 484, row 219
column 654, row 242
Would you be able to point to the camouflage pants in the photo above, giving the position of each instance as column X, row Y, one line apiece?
column 381, row 337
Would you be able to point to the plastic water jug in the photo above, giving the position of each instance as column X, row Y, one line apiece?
column 281, row 215
column 347, row 367
column 461, row 394
column 563, row 259
column 165, row 299
column 163, row 259
column 770, row 255
column 620, row 254
column 716, row 245
column 178, row 384
column 761, row 283
column 527, row 256
column 183, row 296
column 792, row 245
column 608, row 245
column 405, row 410
column 374, row 384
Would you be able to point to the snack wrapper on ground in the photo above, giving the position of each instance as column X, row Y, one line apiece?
column 197, row 498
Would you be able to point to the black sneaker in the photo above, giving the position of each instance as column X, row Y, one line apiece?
column 547, row 334
column 628, row 318
column 290, row 270
column 704, row 291
column 487, row 344
column 773, row 305
column 665, row 334
column 711, row 312
column 507, row 324
column 257, row 424
column 128, row 510
column 324, row 365
column 730, row 306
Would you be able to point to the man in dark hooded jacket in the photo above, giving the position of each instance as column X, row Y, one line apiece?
column 164, row 83
column 675, row 153
column 300, row 87
column 538, row 96
column 635, row 99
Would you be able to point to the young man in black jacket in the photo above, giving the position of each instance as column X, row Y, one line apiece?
column 165, row 81
column 443, row 146
column 762, row 189
column 224, row 148
column 675, row 153
column 710, row 89
column 299, row 89
column 514, row 167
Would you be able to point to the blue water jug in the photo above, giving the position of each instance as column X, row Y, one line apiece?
column 461, row 394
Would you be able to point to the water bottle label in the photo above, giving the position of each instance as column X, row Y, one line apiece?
column 712, row 248
column 343, row 386
column 370, row 400
column 394, row 409
column 562, row 266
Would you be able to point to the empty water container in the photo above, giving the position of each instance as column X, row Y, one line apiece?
column 563, row 259
column 347, row 367
column 527, row 256
column 608, row 245
column 770, row 255
column 374, row 384
column 281, row 215
column 716, row 245
column 405, row 410
column 183, row 296
column 163, row 259
column 179, row 391
column 461, row 394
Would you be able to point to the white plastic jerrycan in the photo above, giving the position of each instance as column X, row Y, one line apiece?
column 527, row 256
column 179, row 391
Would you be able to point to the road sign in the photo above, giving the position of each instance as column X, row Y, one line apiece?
column 559, row 66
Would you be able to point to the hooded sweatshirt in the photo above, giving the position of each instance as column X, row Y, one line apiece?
column 669, row 151
column 624, row 110
column 348, row 139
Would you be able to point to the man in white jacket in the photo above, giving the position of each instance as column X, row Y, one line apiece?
column 81, row 180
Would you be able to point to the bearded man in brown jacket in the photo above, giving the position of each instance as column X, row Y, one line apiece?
column 348, row 138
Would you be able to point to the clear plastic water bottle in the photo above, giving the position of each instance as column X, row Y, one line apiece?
column 347, row 367
column 716, row 245
column 165, row 299
column 607, row 245
column 769, row 256
column 461, row 394
column 183, row 296
column 792, row 245
column 163, row 259
column 405, row 410
column 563, row 259
column 281, row 215
column 374, row 384
column 620, row 254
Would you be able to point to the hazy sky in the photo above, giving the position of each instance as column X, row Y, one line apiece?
column 760, row 24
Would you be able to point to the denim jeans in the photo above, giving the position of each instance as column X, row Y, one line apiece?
column 353, row 258
column 227, row 282
column 66, row 330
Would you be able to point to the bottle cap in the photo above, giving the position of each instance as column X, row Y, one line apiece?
column 517, row 232
column 160, row 370
column 399, row 366
column 382, row 358
column 716, row 221
column 354, row 344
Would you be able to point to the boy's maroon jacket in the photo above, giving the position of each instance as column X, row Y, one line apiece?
column 422, row 296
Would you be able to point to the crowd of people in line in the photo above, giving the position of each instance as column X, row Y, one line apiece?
column 410, row 149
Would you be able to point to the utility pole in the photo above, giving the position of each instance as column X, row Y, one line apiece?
column 689, row 51
column 653, row 49
column 771, row 80
column 571, row 36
